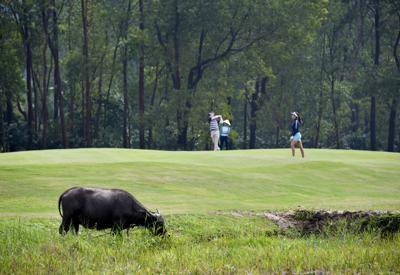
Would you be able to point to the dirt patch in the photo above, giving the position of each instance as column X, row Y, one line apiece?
column 307, row 222
column 311, row 222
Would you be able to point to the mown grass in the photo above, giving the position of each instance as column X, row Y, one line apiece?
column 197, row 244
column 199, row 182
column 189, row 187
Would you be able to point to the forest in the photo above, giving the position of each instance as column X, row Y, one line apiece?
column 145, row 74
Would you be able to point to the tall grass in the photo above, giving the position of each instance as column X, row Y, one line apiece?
column 197, row 244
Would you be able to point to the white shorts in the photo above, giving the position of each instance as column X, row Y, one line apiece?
column 297, row 137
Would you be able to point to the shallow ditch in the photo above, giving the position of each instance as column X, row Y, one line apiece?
column 307, row 222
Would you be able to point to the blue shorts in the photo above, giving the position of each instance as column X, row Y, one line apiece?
column 297, row 136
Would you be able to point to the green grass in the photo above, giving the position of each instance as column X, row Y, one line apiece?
column 189, row 187
column 199, row 182
column 198, row 244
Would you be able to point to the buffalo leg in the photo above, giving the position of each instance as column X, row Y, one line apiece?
column 65, row 225
column 116, row 229
column 75, row 222
column 61, row 230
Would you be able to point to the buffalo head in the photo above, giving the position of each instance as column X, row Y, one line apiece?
column 156, row 222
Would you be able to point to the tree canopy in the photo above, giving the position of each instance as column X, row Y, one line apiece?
column 144, row 74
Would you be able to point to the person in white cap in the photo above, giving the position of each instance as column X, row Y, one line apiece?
column 214, row 129
column 296, row 135
column 225, row 131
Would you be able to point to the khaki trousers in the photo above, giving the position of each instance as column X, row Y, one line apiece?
column 215, row 139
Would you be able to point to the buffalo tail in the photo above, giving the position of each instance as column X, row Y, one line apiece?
column 59, row 203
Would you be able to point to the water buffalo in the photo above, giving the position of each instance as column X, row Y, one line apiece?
column 105, row 208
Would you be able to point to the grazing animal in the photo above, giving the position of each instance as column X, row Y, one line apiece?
column 105, row 208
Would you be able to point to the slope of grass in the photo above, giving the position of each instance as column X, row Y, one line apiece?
column 198, row 182
column 189, row 187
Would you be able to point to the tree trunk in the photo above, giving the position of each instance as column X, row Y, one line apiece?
column 126, row 133
column 319, row 118
column 86, row 74
column 2, row 135
column 373, row 124
column 57, row 77
column 321, row 93
column 141, row 79
column 150, row 138
column 71, row 117
column 55, row 105
column 36, row 103
column 277, row 133
column 253, row 128
column 28, row 60
column 335, row 121
column 176, row 77
column 8, row 117
column 245, row 124
column 376, row 63
column 177, row 74
column 393, row 109
column 100, row 101
column 392, row 125
column 83, row 110
column 257, row 99
column 253, row 122
column 182, row 136
column 183, row 123
column 152, row 101
column 45, row 111
column 253, row 112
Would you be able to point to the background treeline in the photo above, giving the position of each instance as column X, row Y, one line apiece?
column 144, row 74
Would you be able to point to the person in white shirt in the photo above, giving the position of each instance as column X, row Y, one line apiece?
column 214, row 120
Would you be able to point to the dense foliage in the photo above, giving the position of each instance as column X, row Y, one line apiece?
column 134, row 73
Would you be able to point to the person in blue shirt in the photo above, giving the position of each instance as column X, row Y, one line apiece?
column 296, row 136
column 225, row 131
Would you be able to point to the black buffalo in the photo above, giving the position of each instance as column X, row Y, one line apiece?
column 105, row 208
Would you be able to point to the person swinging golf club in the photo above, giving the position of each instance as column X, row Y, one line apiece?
column 214, row 129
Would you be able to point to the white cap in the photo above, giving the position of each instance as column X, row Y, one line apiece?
column 227, row 122
column 294, row 114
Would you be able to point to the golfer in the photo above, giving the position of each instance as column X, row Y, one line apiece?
column 296, row 136
column 214, row 129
